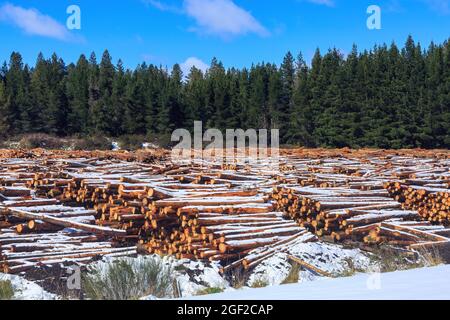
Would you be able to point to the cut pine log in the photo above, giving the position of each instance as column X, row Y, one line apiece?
column 67, row 223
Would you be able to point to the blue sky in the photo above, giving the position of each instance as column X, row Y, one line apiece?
column 238, row 32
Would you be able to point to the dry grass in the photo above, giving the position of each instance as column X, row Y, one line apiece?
column 430, row 257
column 238, row 278
column 6, row 290
column 261, row 282
column 208, row 291
column 393, row 260
column 349, row 269
column 129, row 279
column 294, row 274
column 389, row 260
column 49, row 142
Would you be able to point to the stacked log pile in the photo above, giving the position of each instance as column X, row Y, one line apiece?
column 339, row 213
column 190, row 212
column 432, row 204
column 344, row 198
column 411, row 234
column 238, row 214
column 219, row 229
column 41, row 232
column 19, row 253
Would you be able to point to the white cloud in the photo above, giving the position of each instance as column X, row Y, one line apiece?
column 222, row 17
column 162, row 6
column 441, row 6
column 147, row 57
column 32, row 22
column 218, row 17
column 193, row 62
column 394, row 6
column 329, row 3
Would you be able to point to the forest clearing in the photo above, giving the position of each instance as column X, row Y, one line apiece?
column 60, row 209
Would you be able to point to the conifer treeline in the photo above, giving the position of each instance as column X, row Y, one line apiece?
column 387, row 97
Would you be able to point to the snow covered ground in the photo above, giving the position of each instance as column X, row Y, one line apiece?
column 426, row 283
column 191, row 276
column 194, row 277
column 27, row 290
column 330, row 258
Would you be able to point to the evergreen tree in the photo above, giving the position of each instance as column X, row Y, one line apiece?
column 101, row 107
column 118, row 101
column 4, row 111
column 17, row 95
column 286, row 106
column 386, row 97
column 39, row 95
column 94, row 118
column 77, row 92
column 216, row 95
column 135, row 104
column 195, row 93
column 301, row 115
column 175, row 99
column 57, row 109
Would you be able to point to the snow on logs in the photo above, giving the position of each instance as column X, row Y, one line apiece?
column 340, row 213
column 224, row 213
column 432, row 204
column 39, row 231
column 215, row 215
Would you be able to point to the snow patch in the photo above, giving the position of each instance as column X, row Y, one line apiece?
column 27, row 290
column 115, row 146
column 191, row 276
column 194, row 276
column 149, row 145
column 418, row 284
column 330, row 258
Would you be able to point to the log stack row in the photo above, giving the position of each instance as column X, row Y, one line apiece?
column 192, row 212
column 37, row 232
column 432, row 204
column 20, row 253
column 405, row 233
column 342, row 214
column 218, row 229
column 236, row 214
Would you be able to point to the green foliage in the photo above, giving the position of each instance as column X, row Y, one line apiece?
column 40, row 140
column 94, row 142
column 260, row 283
column 349, row 269
column 128, row 279
column 131, row 142
column 4, row 120
column 207, row 291
column 388, row 259
column 6, row 290
column 387, row 97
